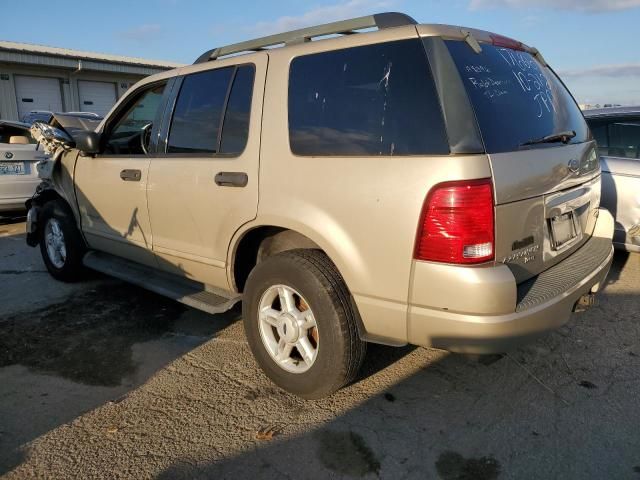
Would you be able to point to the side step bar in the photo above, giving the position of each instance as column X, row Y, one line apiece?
column 183, row 290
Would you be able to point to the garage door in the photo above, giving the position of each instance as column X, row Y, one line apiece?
column 96, row 97
column 38, row 93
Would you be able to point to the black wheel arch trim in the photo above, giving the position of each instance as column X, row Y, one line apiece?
column 35, row 204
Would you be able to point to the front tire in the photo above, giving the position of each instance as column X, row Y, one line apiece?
column 61, row 244
column 301, row 325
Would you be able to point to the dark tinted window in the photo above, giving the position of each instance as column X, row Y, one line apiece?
column 600, row 134
column 617, row 137
column 515, row 98
column 371, row 100
column 8, row 131
column 235, row 129
column 196, row 117
column 37, row 117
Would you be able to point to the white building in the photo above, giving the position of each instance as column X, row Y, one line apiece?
column 35, row 77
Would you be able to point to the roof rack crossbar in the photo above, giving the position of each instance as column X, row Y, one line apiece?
column 343, row 27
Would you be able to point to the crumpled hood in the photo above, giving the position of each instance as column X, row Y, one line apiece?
column 72, row 123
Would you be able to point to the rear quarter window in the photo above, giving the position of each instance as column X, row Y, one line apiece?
column 371, row 100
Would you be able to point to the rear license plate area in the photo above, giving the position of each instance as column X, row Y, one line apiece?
column 563, row 230
column 12, row 168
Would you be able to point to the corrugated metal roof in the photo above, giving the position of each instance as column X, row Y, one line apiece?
column 29, row 48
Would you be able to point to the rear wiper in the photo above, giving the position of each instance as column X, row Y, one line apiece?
column 563, row 137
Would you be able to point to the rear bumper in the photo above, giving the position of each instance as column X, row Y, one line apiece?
column 16, row 190
column 13, row 204
column 541, row 304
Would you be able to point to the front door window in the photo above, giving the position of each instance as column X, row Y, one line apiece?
column 132, row 132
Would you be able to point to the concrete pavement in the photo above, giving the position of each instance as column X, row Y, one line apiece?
column 104, row 380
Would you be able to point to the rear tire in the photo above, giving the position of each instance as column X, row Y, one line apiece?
column 321, row 318
column 61, row 245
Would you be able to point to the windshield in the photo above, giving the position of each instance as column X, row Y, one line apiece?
column 37, row 117
column 515, row 98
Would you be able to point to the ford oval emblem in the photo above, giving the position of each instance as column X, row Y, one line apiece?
column 574, row 165
column 8, row 155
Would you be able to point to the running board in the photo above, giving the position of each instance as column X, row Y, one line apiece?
column 177, row 288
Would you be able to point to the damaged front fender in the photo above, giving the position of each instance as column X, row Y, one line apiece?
column 56, row 173
column 55, row 142
column 44, row 193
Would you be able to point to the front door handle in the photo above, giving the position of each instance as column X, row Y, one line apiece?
column 232, row 179
column 129, row 175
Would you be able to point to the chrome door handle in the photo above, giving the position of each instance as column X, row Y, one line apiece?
column 232, row 179
column 129, row 175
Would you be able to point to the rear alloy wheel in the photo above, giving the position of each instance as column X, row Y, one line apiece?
column 288, row 329
column 300, row 323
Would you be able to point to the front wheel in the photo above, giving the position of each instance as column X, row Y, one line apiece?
column 301, row 325
column 61, row 244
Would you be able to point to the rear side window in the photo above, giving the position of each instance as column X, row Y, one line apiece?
column 205, row 98
column 515, row 98
column 371, row 100
column 196, row 117
column 235, row 130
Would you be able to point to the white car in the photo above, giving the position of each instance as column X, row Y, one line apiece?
column 617, row 131
column 19, row 153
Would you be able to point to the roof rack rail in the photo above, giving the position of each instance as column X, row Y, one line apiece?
column 344, row 27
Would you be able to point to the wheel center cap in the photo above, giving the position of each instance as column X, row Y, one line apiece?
column 288, row 328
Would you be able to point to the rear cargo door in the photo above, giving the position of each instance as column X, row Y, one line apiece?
column 543, row 159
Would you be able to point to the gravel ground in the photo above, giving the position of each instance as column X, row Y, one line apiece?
column 104, row 380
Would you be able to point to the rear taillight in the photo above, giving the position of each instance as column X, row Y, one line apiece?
column 456, row 225
column 500, row 41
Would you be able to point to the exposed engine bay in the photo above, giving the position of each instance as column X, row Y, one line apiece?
column 57, row 138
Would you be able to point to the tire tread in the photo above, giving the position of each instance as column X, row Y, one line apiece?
column 356, row 348
column 73, row 270
column 330, row 285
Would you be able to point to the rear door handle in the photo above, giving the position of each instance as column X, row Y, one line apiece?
column 129, row 175
column 232, row 179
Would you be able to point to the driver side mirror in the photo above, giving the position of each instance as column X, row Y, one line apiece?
column 87, row 141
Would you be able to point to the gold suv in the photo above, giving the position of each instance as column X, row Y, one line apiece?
column 389, row 182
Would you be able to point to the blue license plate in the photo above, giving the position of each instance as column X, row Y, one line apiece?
column 12, row 168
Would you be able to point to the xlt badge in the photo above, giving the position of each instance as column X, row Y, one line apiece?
column 525, row 255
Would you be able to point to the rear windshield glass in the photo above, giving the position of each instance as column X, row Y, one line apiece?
column 515, row 98
column 8, row 131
